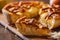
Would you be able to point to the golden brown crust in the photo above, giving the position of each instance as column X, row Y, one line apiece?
column 31, row 27
column 23, row 5
column 53, row 11
column 27, row 21
column 50, row 16
column 20, row 6
column 23, row 8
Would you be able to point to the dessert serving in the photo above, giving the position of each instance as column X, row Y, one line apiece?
column 16, row 10
column 33, row 17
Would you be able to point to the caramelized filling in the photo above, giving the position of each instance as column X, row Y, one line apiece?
column 21, row 6
column 31, row 21
column 52, row 11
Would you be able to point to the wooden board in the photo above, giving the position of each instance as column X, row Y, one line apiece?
column 5, row 34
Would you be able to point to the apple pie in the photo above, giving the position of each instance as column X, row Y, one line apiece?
column 33, row 17
column 15, row 10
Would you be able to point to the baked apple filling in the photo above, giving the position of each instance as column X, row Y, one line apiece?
column 29, row 9
column 50, row 17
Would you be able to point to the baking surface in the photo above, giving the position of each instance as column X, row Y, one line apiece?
column 6, row 35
